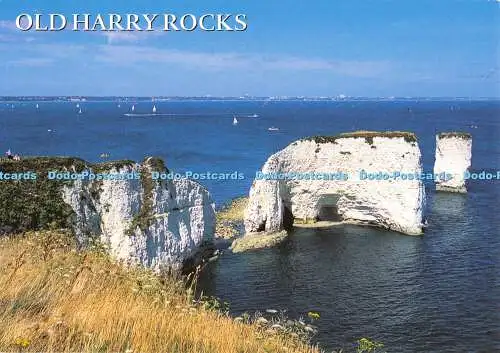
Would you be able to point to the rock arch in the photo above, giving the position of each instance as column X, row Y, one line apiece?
column 334, row 177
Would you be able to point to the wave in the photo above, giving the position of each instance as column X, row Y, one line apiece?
column 147, row 114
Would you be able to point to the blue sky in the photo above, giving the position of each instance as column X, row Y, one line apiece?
column 310, row 48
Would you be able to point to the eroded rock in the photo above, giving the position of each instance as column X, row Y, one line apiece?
column 158, row 224
column 253, row 241
column 394, row 203
column 453, row 159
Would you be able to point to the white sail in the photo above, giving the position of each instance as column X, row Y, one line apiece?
column 235, row 121
column 78, row 105
column 80, row 111
column 133, row 107
column 154, row 108
column 37, row 106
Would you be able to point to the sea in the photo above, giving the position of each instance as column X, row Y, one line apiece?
column 439, row 292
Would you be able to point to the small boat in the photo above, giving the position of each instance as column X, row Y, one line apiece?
column 37, row 106
column 133, row 107
column 80, row 111
column 272, row 128
column 119, row 105
column 254, row 116
column 154, row 108
column 235, row 121
column 78, row 105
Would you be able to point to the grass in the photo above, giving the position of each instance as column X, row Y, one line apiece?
column 367, row 135
column 458, row 134
column 38, row 204
column 56, row 299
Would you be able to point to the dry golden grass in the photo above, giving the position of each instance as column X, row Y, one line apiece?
column 55, row 299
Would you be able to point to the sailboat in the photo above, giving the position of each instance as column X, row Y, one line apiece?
column 78, row 105
column 235, row 121
column 154, row 108
column 37, row 106
column 133, row 107
column 80, row 111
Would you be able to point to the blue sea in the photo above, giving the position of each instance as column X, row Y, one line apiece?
column 436, row 293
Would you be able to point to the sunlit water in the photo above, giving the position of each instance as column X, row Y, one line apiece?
column 435, row 293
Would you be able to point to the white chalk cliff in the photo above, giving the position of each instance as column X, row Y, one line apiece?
column 393, row 203
column 159, row 224
column 453, row 157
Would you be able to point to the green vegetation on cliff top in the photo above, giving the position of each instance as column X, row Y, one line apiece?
column 144, row 218
column 458, row 134
column 368, row 135
column 37, row 204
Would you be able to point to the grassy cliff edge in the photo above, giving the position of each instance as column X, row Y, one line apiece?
column 55, row 298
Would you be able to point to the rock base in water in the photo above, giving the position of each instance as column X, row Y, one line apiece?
column 458, row 190
column 260, row 240
column 453, row 159
column 230, row 219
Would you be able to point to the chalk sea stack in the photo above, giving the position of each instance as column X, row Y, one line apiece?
column 392, row 204
column 159, row 224
column 453, row 157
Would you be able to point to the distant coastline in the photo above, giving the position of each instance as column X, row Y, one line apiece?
column 63, row 98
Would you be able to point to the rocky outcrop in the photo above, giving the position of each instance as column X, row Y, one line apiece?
column 159, row 224
column 361, row 177
column 453, row 159
column 260, row 240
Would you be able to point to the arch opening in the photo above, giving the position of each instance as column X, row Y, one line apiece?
column 327, row 208
column 288, row 218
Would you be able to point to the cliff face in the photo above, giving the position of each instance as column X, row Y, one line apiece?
column 453, row 156
column 159, row 224
column 392, row 203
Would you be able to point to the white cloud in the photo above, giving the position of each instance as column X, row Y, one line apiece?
column 10, row 33
column 118, row 37
column 9, row 25
column 31, row 62
column 131, row 55
column 115, row 37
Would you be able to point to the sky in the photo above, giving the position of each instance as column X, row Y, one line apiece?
column 370, row 48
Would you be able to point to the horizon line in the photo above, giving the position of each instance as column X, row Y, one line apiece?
column 243, row 97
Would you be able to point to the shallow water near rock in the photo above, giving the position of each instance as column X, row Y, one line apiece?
column 434, row 293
